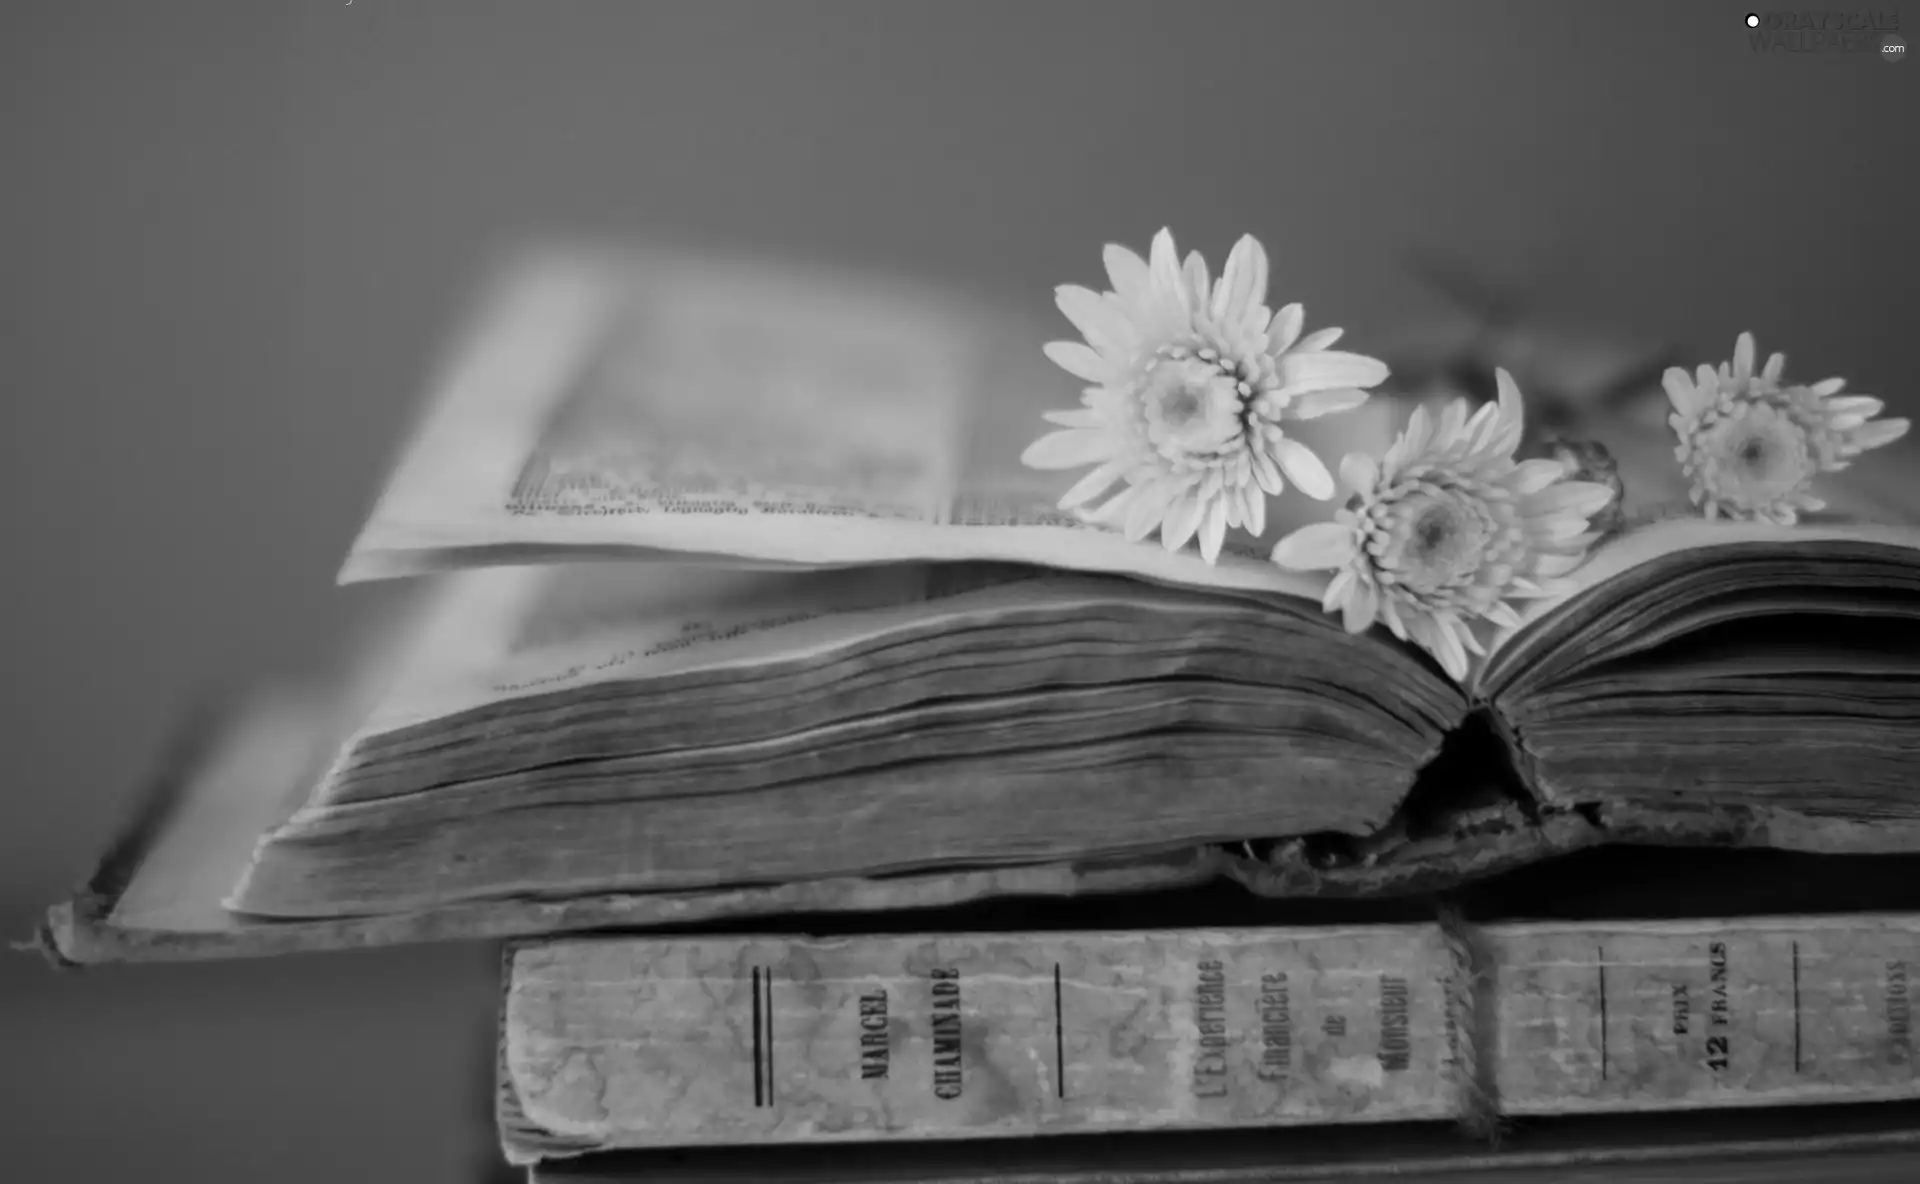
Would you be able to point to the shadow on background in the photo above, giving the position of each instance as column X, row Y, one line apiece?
column 235, row 233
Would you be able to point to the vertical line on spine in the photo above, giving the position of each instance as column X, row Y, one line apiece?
column 769, row 1013
column 1796, row 1007
column 1059, row 1039
column 1600, row 965
column 759, row 1085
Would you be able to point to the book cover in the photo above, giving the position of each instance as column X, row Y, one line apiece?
column 671, row 1041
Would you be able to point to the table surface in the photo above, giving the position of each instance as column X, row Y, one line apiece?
column 371, row 1067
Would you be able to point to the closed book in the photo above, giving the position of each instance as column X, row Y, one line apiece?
column 631, row 1042
column 1839, row 1145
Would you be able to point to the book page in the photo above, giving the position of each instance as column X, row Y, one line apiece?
column 1657, row 541
column 1873, row 501
column 755, row 415
column 1648, row 544
column 504, row 633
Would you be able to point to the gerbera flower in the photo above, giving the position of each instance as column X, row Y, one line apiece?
column 1194, row 384
column 1447, row 528
column 1751, row 445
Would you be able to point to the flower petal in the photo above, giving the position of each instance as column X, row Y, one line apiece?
column 1315, row 404
column 1147, row 510
column 1079, row 417
column 1362, row 606
column 1483, row 432
column 1126, row 271
column 1391, row 616
column 1303, row 468
column 1874, row 435
column 1320, row 546
column 1451, row 431
column 1583, row 499
column 1328, row 370
column 1317, row 340
column 1079, row 360
column 1163, row 269
column 1194, row 274
column 1284, row 329
column 1114, row 509
column 1096, row 482
column 1865, row 406
column 1183, row 518
column 1680, row 391
column 1513, row 414
column 1255, row 516
column 1532, row 476
column 1068, row 450
column 1243, row 281
column 1743, row 355
column 1502, row 615
column 1412, row 441
column 1098, row 319
column 1338, row 589
column 1555, row 566
column 1213, row 530
column 1266, row 474
column 1452, row 655
column 1358, row 472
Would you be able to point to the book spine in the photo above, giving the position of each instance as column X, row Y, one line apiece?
column 676, row 1042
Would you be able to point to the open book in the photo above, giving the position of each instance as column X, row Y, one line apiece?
column 850, row 643
column 581, row 729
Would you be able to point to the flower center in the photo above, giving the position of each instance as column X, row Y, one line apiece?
column 1758, row 456
column 1192, row 405
column 1434, row 540
column 1180, row 406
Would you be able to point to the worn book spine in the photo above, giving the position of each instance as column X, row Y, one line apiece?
column 677, row 1042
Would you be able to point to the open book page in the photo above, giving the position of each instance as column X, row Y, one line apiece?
column 1872, row 501
column 610, row 727
column 650, row 405
column 511, row 633
column 1676, row 542
column 541, row 644
column 1765, row 677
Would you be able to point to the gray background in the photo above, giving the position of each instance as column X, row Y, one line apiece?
column 235, row 234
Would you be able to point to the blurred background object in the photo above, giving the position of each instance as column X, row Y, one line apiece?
column 237, row 233
column 1577, row 377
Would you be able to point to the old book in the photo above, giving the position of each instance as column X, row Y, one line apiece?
column 240, row 764
column 565, row 731
column 688, row 1041
column 699, row 661
column 1842, row 1145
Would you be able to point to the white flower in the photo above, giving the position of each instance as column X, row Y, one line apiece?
column 1751, row 445
column 1447, row 528
column 1193, row 384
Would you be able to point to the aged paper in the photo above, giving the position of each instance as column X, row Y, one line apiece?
column 497, row 634
column 611, row 405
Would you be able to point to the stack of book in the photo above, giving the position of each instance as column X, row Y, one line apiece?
column 852, row 812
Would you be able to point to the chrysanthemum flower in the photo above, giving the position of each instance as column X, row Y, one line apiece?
column 1194, row 384
column 1447, row 528
column 1751, row 445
